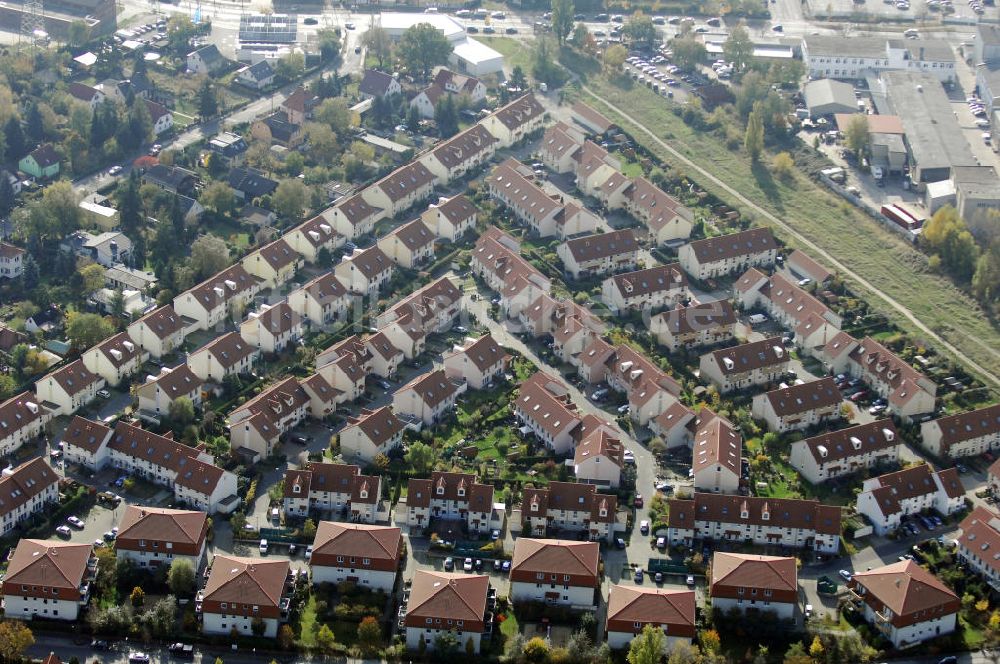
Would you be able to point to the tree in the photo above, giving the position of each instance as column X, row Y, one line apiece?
column 413, row 119
column 738, row 48
column 445, row 644
column 85, row 330
column 446, row 116
column 78, row 33
column 420, row 457
column 209, row 255
column 329, row 44
column 290, row 67
column 7, row 386
column 379, row 44
column 15, row 639
column 369, row 635
column 986, row 280
column 816, row 648
column 614, row 57
column 161, row 619
column 218, row 197
column 856, row 133
column 517, row 78
column 208, row 103
column 309, row 529
column 180, row 578
column 289, row 199
column 641, row 32
column 579, row 647
column 138, row 596
column 783, row 166
column 796, row 654
column 689, row 53
column 947, row 236
column 325, row 639
column 17, row 144
column 647, row 648
column 710, row 641
column 562, row 19
column 421, row 47
column 238, row 523
column 336, row 114
column 92, row 275
column 580, row 35
column 286, row 637
column 258, row 626
column 753, row 140
column 543, row 65
column 181, row 411
column 536, row 650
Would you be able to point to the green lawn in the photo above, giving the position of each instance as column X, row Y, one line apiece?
column 514, row 52
column 509, row 627
column 873, row 252
column 308, row 625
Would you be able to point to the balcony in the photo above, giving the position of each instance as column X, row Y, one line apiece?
column 198, row 599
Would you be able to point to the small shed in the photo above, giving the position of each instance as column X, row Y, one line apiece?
column 827, row 97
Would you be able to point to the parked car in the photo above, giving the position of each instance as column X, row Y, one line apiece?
column 844, row 574
column 689, row 580
column 263, row 547
column 467, row 565
column 138, row 658
column 182, row 650
column 638, row 575
column 644, row 527
column 506, row 566
column 449, row 564
column 638, row 500
column 76, row 522
column 661, row 543
column 619, row 542
column 309, row 552
column 64, row 531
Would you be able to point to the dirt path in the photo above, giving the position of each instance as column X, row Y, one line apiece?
column 816, row 250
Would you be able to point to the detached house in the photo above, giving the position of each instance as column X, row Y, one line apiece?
column 274, row 264
column 162, row 117
column 632, row 608
column 593, row 255
column 161, row 390
column 42, row 163
column 725, row 254
column 400, row 190
column 365, row 271
column 744, row 366
column 411, row 245
column 478, row 362
column 12, row 260
column 299, row 105
column 272, row 328
column 226, row 355
column 440, row 602
column 694, row 326
column 372, row 433
column 28, row 489
column 159, row 332
column 451, row 218
column 250, row 184
column 905, row 603
column 353, row 217
column 335, row 489
column 428, row 397
column 22, row 419
column 378, row 84
column 785, row 522
column 453, row 496
column 154, row 536
column 68, row 389
column 365, row 554
column 572, row 507
column 515, row 120
column 257, row 76
column 749, row 583
column 555, row 572
column 887, row 499
column 321, row 300
column 115, row 358
column 242, row 591
column 48, row 579
column 838, row 453
column 207, row 60
column 798, row 407
column 651, row 288
column 964, row 434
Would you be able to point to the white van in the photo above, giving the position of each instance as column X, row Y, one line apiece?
column 757, row 319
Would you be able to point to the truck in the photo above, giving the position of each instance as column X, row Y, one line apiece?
column 836, row 174
column 902, row 217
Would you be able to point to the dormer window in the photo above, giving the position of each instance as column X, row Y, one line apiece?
column 744, row 514
column 440, row 491
column 461, row 492
column 296, row 488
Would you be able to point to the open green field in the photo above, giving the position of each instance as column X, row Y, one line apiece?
column 514, row 52
column 881, row 257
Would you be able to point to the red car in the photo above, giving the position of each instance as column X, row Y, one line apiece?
column 638, row 500
column 858, row 396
